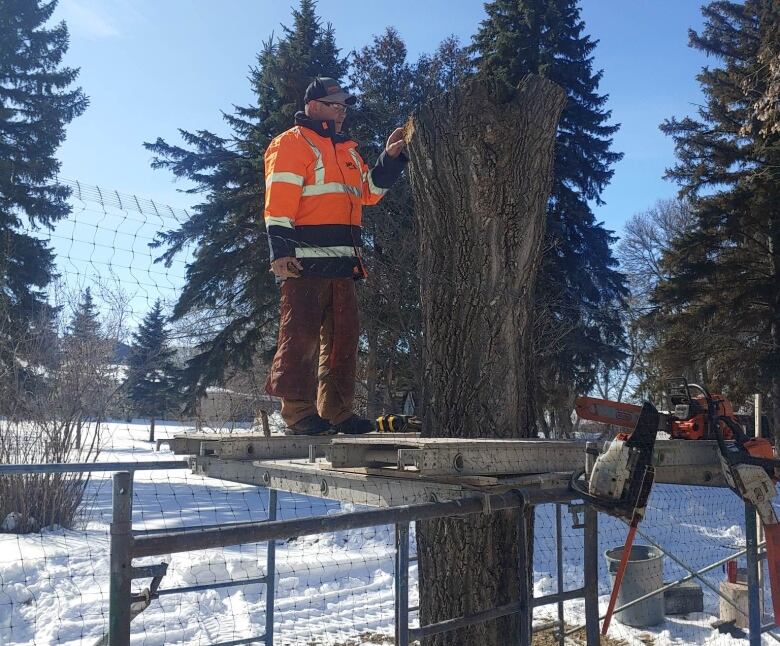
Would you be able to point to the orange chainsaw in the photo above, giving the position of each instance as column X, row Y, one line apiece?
column 689, row 418
column 749, row 464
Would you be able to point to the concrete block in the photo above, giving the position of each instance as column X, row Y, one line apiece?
column 738, row 592
column 684, row 598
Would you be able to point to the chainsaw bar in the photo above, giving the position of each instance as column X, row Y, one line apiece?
column 642, row 441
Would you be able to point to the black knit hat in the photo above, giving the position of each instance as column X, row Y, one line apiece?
column 323, row 87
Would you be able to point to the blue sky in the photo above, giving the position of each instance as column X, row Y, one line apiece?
column 150, row 67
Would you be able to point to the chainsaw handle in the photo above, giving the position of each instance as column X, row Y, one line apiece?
column 736, row 429
column 701, row 389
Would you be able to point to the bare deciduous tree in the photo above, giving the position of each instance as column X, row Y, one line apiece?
column 56, row 398
column 647, row 236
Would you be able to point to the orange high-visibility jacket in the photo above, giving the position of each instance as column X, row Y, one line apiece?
column 316, row 183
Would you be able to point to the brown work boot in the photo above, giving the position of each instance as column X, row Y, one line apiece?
column 311, row 425
column 354, row 425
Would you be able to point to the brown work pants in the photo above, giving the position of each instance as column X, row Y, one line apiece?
column 314, row 367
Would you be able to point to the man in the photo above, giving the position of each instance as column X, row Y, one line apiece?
column 315, row 185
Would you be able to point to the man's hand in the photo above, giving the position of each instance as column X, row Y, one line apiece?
column 287, row 267
column 395, row 143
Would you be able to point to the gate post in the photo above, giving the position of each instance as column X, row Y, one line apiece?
column 402, row 584
column 591, row 552
column 121, row 558
column 270, row 574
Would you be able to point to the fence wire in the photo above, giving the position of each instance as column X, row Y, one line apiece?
column 332, row 588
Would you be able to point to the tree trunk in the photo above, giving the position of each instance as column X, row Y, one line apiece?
column 388, row 401
column 151, row 430
column 563, row 415
column 545, row 427
column 371, row 374
column 481, row 169
column 774, row 361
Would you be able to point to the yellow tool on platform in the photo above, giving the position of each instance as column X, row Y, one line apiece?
column 398, row 424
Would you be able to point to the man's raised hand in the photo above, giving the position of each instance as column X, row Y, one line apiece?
column 395, row 142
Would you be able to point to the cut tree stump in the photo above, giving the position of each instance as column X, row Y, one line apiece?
column 481, row 160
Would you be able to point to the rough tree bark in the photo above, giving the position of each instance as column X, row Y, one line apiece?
column 774, row 250
column 480, row 169
column 371, row 373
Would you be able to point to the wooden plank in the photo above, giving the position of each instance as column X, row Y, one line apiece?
column 445, row 456
column 692, row 474
column 364, row 486
column 415, row 441
column 482, row 483
column 189, row 443
column 256, row 445
column 675, row 453
column 666, row 453
column 275, row 447
column 308, row 479
column 394, row 472
column 683, row 462
column 510, row 460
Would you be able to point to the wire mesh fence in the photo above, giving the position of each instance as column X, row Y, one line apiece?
column 336, row 588
column 331, row 588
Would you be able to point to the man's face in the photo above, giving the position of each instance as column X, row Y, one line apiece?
column 325, row 110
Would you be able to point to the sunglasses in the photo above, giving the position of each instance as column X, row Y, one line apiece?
column 333, row 104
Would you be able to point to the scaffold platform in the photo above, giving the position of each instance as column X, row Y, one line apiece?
column 387, row 469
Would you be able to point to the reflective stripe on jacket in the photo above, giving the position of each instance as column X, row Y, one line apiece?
column 316, row 183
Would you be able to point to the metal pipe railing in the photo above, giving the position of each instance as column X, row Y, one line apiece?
column 525, row 605
column 270, row 572
column 121, row 561
column 93, row 467
column 211, row 586
column 463, row 622
column 158, row 542
column 179, row 541
column 123, row 539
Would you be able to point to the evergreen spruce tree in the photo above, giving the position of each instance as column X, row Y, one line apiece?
column 390, row 298
column 718, row 315
column 448, row 67
column 85, row 324
column 83, row 366
column 229, row 273
column 37, row 101
column 151, row 383
column 579, row 290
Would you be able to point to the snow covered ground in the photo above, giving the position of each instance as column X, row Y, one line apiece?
column 334, row 589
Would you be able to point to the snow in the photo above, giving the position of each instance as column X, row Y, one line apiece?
column 334, row 589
